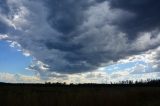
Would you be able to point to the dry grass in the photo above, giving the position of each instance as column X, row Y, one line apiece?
column 79, row 96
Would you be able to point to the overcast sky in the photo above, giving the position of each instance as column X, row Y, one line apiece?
column 79, row 40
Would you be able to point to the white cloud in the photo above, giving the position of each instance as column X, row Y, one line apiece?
column 139, row 69
column 18, row 78
column 3, row 37
column 146, row 40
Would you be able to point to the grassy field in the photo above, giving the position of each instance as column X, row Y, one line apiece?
column 39, row 95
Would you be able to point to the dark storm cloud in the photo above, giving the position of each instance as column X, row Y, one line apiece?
column 3, row 10
column 146, row 15
column 73, row 36
column 3, row 28
column 81, row 48
column 67, row 17
column 4, row 7
column 64, row 15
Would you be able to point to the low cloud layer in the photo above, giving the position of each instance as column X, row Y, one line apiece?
column 81, row 36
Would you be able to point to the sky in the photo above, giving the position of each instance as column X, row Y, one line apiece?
column 85, row 41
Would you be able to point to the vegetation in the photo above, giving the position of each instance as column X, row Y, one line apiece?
column 126, row 93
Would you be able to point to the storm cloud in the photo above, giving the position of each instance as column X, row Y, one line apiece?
column 80, row 36
column 146, row 15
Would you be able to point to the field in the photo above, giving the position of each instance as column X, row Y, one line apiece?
column 78, row 95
